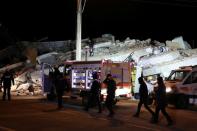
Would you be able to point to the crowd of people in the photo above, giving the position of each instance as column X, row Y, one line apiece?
column 95, row 93
column 160, row 99
column 59, row 84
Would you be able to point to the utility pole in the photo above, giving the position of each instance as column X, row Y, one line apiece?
column 80, row 9
column 78, row 33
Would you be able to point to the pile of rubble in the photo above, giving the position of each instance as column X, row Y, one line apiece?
column 147, row 54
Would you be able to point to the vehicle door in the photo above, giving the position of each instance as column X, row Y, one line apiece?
column 189, row 86
column 185, row 86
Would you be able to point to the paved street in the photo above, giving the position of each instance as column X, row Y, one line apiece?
column 23, row 115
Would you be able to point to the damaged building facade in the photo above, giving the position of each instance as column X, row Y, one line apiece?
column 149, row 57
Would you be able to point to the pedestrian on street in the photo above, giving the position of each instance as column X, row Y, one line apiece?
column 111, row 88
column 56, row 75
column 55, row 79
column 95, row 93
column 7, row 79
column 161, row 101
column 60, row 87
column 143, row 92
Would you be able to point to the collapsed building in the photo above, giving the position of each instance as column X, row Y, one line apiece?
column 149, row 57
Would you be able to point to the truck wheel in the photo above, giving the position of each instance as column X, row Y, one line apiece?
column 182, row 101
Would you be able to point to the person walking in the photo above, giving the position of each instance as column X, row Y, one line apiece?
column 143, row 92
column 161, row 101
column 55, row 79
column 111, row 88
column 60, row 87
column 95, row 93
column 56, row 75
column 7, row 79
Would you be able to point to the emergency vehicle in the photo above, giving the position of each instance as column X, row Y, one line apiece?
column 81, row 77
column 181, row 86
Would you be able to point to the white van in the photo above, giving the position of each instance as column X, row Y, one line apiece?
column 181, row 86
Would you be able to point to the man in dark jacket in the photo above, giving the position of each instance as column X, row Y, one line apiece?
column 95, row 92
column 161, row 101
column 143, row 91
column 6, row 79
column 111, row 88
column 56, row 75
column 60, row 87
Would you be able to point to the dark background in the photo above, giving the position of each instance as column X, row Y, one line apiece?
column 140, row 19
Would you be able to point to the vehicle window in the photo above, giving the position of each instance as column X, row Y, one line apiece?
column 188, row 80
column 178, row 75
column 194, row 77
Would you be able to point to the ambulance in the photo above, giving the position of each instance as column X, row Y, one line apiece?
column 181, row 86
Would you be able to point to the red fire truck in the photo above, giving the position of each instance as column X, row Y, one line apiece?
column 79, row 76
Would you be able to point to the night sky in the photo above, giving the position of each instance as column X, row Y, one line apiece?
column 140, row 19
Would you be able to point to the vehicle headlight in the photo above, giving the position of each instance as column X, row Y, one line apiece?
column 168, row 89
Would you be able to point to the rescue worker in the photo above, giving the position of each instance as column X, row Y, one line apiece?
column 111, row 88
column 56, row 75
column 95, row 93
column 60, row 87
column 161, row 101
column 6, row 79
column 55, row 78
column 143, row 92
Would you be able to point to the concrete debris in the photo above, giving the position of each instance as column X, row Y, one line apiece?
column 153, row 57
